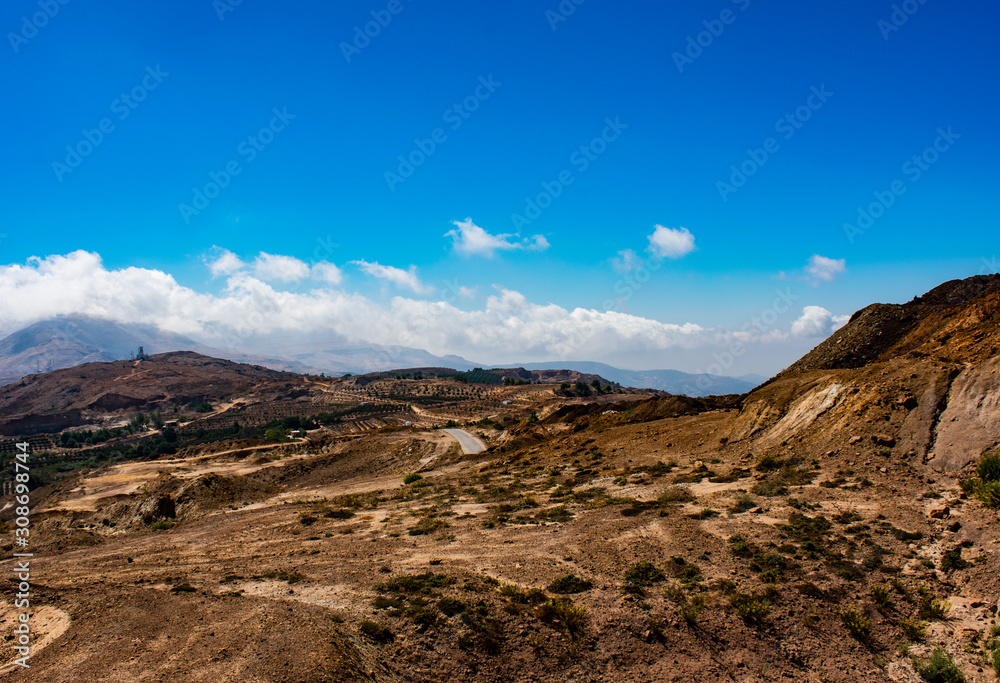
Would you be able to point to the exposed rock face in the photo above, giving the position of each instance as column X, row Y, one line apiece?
column 971, row 421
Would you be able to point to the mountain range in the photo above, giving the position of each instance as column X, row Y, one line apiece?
column 72, row 340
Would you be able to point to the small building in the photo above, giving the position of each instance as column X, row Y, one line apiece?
column 506, row 403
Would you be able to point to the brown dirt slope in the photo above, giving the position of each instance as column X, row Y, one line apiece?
column 957, row 320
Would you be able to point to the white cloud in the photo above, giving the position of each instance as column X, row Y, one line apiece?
column 823, row 269
column 467, row 292
column 671, row 242
column 469, row 239
column 817, row 321
column 405, row 279
column 327, row 272
column 277, row 267
column 537, row 243
column 505, row 328
column 224, row 263
column 626, row 261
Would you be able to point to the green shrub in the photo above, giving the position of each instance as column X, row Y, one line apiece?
column 162, row 525
column 939, row 668
column 988, row 493
column 913, row 628
column 739, row 546
column 644, row 573
column 743, row 503
column 557, row 514
column 687, row 572
column 427, row 525
column 564, row 611
column 857, row 623
column 929, row 607
column 761, row 562
column 675, row 495
column 952, row 560
column 880, row 596
column 382, row 602
column 412, row 477
column 751, row 607
column 570, row 583
column 768, row 463
column 415, row 583
column 988, row 467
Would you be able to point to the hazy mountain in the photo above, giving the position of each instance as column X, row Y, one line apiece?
column 72, row 340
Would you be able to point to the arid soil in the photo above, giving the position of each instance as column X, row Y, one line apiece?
column 821, row 528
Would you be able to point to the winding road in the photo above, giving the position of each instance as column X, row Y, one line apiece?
column 468, row 442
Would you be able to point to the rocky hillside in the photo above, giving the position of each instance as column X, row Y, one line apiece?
column 920, row 380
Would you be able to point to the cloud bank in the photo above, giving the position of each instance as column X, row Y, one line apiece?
column 506, row 328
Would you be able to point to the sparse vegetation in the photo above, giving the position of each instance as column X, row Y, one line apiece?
column 939, row 668
column 751, row 607
column 427, row 525
column 857, row 623
column 570, row 583
column 644, row 573
column 986, row 488
column 913, row 628
column 743, row 503
column 675, row 495
column 415, row 583
column 929, row 607
column 564, row 612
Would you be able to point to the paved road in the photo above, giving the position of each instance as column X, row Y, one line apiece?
column 469, row 443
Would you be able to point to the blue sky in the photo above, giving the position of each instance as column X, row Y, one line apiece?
column 513, row 97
